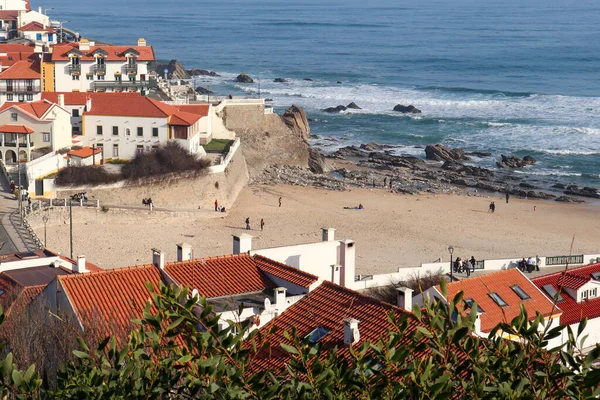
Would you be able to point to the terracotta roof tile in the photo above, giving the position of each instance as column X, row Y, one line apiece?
column 37, row 109
column 573, row 312
column 35, row 26
column 478, row 288
column 84, row 152
column 572, row 281
column 285, row 272
column 22, row 70
column 16, row 48
column 22, row 129
column 115, row 53
column 9, row 15
column 107, row 301
column 71, row 98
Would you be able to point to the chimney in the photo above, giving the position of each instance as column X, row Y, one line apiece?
column 242, row 243
column 328, row 234
column 351, row 332
column 40, row 9
column 348, row 261
column 184, row 252
column 61, row 100
column 477, row 329
column 158, row 258
column 84, row 45
column 88, row 104
column 280, row 293
column 141, row 42
column 79, row 267
column 335, row 273
column 404, row 298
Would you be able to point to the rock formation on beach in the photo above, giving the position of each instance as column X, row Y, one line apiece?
column 280, row 80
column 353, row 106
column 337, row 109
column 201, row 90
column 295, row 119
column 407, row 109
column 201, row 72
column 175, row 68
column 514, row 161
column 243, row 78
column 439, row 152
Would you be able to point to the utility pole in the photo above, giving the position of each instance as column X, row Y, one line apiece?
column 94, row 155
column 71, row 225
column 19, row 170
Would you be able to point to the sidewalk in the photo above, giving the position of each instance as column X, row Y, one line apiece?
column 11, row 233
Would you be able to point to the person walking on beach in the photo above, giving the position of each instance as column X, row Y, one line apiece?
column 262, row 224
column 492, row 207
column 280, row 201
column 385, row 182
column 507, row 197
column 390, row 183
column 216, row 205
column 247, row 223
column 473, row 262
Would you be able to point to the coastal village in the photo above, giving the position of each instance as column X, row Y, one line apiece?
column 271, row 232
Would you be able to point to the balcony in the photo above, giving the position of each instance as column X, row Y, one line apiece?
column 123, row 85
column 20, row 88
column 74, row 69
column 99, row 69
column 14, row 144
column 131, row 69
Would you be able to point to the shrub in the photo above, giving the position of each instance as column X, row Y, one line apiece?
column 417, row 283
column 88, row 175
column 104, row 209
column 169, row 158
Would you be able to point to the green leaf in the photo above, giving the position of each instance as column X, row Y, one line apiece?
column 16, row 378
column 289, row 349
column 175, row 323
column 81, row 354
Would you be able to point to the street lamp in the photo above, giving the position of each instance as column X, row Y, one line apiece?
column 46, row 10
column 451, row 250
column 60, row 38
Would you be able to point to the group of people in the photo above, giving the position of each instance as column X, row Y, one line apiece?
column 529, row 265
column 148, row 202
column 217, row 207
column 466, row 266
column 80, row 196
column 492, row 207
column 262, row 224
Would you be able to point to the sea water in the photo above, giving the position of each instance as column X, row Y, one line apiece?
column 506, row 77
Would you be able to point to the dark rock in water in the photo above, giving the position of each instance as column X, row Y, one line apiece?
column 311, row 120
column 372, row 146
column 337, row 109
column 280, row 80
column 443, row 153
column 243, row 78
column 308, row 79
column 353, row 106
column 584, row 192
column 389, row 160
column 295, row 119
column 317, row 162
column 407, row 109
column 567, row 199
column 268, row 99
column 201, row 72
column 469, row 170
column 350, row 151
column 558, row 186
column 202, row 90
column 526, row 185
column 479, row 154
column 514, row 161
column 339, row 82
column 174, row 68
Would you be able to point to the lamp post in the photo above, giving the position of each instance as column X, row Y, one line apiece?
column 60, row 38
column 47, row 9
column 451, row 250
column 71, row 226
column 45, row 219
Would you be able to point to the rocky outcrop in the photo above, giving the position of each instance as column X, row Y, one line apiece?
column 201, row 72
column 317, row 162
column 567, row 199
column 583, row 192
column 372, row 146
column 439, row 152
column 201, row 90
column 280, row 80
column 514, row 161
column 480, row 154
column 243, row 78
column 175, row 69
column 353, row 106
column 337, row 109
column 407, row 109
column 307, row 79
column 350, row 151
column 295, row 119
column 467, row 169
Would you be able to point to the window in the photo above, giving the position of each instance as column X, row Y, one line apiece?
column 29, row 97
column 100, row 77
column 115, row 131
column 155, row 132
column 140, row 131
column 9, row 97
column 14, row 117
column 127, row 132
column 317, row 334
column 154, row 147
column 76, row 130
column 46, row 136
column 38, row 36
column 75, row 77
column 139, row 149
column 593, row 292
column 99, row 130
column 469, row 303
column 100, row 146
column 520, row 292
column 554, row 295
column 89, row 77
column 115, row 150
column 596, row 276
column 2, row 291
column 584, row 294
column 496, row 297
column 51, row 37
column 76, row 112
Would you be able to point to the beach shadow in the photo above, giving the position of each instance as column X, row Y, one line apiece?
column 237, row 227
column 480, row 211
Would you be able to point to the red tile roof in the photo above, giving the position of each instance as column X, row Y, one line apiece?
column 105, row 302
column 285, row 272
column 326, row 306
column 9, row 15
column 572, row 281
column 22, row 70
column 573, row 312
column 115, row 53
column 84, row 152
column 478, row 288
column 88, row 265
column 71, row 98
column 36, row 109
column 35, row 26
column 16, row 48
column 22, row 129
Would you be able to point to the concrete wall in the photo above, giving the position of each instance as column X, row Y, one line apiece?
column 241, row 117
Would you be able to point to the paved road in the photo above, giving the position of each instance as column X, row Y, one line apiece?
column 7, row 205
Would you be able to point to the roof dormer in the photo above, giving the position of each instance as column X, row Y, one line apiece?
column 131, row 53
column 588, row 291
column 74, row 53
column 99, row 53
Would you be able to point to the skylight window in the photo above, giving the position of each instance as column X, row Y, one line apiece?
column 317, row 334
column 496, row 297
column 552, row 293
column 596, row 276
column 469, row 302
column 520, row 292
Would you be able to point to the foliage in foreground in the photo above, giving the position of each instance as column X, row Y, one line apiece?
column 178, row 352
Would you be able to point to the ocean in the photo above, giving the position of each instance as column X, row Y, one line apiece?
column 506, row 77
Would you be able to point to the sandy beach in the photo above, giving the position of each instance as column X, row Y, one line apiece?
column 392, row 231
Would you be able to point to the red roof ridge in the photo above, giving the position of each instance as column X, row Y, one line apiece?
column 286, row 267
column 370, row 299
column 199, row 260
column 105, row 271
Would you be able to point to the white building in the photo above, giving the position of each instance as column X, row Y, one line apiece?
column 86, row 66
column 124, row 124
column 21, row 82
column 27, row 126
column 8, row 24
column 38, row 32
column 15, row 5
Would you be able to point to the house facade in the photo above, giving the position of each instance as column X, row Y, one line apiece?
column 38, row 32
column 86, row 66
column 21, row 82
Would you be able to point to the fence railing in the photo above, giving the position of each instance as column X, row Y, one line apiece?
column 34, row 237
column 562, row 260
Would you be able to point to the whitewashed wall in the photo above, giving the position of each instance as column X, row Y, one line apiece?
column 65, row 83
